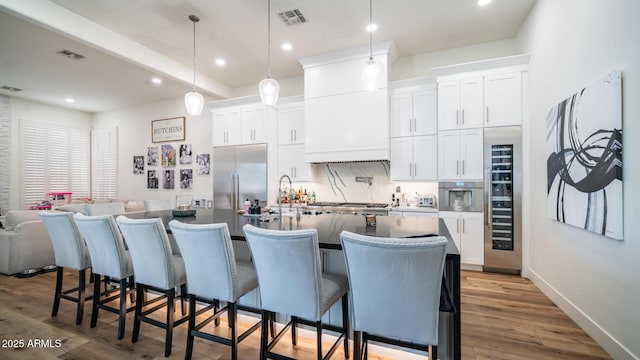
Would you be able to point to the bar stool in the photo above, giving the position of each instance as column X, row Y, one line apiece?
column 291, row 282
column 155, row 268
column 110, row 259
column 70, row 252
column 395, row 290
column 214, row 274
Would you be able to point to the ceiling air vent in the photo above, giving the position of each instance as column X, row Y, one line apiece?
column 292, row 17
column 10, row 88
column 70, row 54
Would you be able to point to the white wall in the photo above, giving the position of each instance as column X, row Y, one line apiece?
column 592, row 278
column 38, row 112
column 134, row 136
column 420, row 65
column 292, row 86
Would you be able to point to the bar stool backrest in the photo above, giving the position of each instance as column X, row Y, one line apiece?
column 68, row 245
column 395, row 285
column 289, row 270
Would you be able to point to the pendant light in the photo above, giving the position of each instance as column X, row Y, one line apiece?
column 372, row 74
column 193, row 101
column 269, row 88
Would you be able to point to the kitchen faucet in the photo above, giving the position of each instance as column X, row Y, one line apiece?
column 280, row 194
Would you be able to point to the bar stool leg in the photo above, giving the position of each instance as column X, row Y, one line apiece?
column 81, row 286
column 122, row 315
column 96, row 300
column 171, row 294
column 192, row 325
column 140, row 295
column 56, row 297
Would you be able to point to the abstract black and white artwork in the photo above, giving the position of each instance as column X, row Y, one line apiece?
column 584, row 166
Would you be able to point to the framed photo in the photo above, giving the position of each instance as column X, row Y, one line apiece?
column 138, row 164
column 168, row 130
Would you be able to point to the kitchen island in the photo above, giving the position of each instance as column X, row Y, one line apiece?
column 329, row 227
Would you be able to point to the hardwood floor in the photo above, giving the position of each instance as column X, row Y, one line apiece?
column 503, row 317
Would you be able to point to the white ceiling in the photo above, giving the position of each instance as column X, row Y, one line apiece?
column 126, row 42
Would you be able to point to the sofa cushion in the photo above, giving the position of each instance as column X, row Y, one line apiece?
column 74, row 208
column 15, row 217
column 133, row 205
column 104, row 209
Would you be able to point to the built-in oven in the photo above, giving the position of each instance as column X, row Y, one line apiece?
column 461, row 196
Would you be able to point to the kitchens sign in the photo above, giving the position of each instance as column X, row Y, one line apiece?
column 168, row 130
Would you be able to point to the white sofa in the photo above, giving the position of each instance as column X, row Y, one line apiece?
column 25, row 245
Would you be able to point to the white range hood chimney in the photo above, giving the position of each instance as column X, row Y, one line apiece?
column 343, row 122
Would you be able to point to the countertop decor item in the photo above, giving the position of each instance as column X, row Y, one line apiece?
column 193, row 101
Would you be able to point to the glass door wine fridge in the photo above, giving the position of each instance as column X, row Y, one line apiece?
column 503, row 192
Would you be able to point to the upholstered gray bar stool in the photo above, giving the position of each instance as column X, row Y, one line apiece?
column 110, row 259
column 395, row 290
column 70, row 252
column 214, row 274
column 292, row 282
column 155, row 268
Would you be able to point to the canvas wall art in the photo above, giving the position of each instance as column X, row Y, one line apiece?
column 584, row 163
column 168, row 155
column 202, row 164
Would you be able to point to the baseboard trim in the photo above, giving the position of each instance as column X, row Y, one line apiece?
column 610, row 344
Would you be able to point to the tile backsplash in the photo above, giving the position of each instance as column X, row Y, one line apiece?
column 336, row 182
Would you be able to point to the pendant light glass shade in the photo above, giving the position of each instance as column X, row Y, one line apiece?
column 372, row 75
column 269, row 91
column 269, row 88
column 193, row 101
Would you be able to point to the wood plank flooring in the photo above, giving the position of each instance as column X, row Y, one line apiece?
column 503, row 317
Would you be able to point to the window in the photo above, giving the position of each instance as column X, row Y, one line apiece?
column 54, row 158
column 104, row 160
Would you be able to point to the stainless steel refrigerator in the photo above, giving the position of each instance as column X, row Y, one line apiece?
column 239, row 173
column 503, row 199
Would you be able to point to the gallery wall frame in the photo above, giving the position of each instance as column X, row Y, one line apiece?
column 171, row 129
column 584, row 161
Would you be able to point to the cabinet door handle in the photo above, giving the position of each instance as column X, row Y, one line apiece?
column 462, row 167
column 462, row 116
column 415, row 170
column 415, row 124
column 487, row 114
column 463, row 226
column 457, row 116
column 295, row 134
column 410, row 130
column 457, row 167
column 458, row 225
column 410, row 174
column 291, row 134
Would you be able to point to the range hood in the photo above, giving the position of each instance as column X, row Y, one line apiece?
column 342, row 121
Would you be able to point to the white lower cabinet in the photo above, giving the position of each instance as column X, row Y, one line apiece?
column 467, row 231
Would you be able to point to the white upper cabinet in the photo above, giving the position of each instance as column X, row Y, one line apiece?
column 291, row 124
column 227, row 127
column 414, row 158
column 460, row 103
column 242, row 125
column 460, row 154
column 291, row 162
column 413, row 111
column 254, row 125
column 503, row 99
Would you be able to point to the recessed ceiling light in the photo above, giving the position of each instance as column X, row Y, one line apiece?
column 483, row 2
column 220, row 62
column 156, row 80
column 372, row 27
column 69, row 100
column 287, row 46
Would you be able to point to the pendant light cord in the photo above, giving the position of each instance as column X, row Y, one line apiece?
column 194, row 19
column 370, row 29
column 269, row 39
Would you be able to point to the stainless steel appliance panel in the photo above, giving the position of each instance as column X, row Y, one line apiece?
column 460, row 196
column 503, row 199
column 239, row 172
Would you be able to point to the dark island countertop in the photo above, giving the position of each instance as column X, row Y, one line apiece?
column 329, row 227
